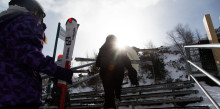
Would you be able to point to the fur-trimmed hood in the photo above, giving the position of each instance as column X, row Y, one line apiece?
column 13, row 9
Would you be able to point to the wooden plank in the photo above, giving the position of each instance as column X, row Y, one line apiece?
column 126, row 97
column 131, row 88
column 84, row 101
column 212, row 39
column 177, row 93
column 187, row 107
column 162, row 101
column 100, row 106
column 143, row 102
column 134, row 90
column 141, row 90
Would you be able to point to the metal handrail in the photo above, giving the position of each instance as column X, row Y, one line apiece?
column 75, row 83
column 209, row 46
column 78, row 67
column 206, row 73
column 217, row 46
column 206, row 93
column 74, row 69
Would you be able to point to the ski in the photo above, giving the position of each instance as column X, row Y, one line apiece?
column 71, row 30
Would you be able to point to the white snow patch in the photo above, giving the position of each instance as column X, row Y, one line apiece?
column 212, row 90
column 80, row 89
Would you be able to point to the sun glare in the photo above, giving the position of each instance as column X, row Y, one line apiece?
column 120, row 44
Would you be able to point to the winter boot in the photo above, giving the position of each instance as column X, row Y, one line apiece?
column 117, row 102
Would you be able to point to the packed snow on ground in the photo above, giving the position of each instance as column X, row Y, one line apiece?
column 212, row 90
column 80, row 89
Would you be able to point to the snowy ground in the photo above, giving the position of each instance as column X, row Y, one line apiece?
column 212, row 90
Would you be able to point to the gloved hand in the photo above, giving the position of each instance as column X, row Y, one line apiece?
column 134, row 81
column 64, row 74
column 132, row 74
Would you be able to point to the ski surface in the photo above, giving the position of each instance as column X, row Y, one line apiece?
column 71, row 30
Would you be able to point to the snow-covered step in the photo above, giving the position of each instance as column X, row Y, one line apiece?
column 99, row 106
column 162, row 84
column 48, row 107
column 188, row 107
column 145, row 103
column 137, row 96
column 141, row 101
column 161, row 88
column 184, row 100
column 159, row 94
column 137, row 90
column 140, row 89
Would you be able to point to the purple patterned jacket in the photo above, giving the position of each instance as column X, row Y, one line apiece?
column 21, row 59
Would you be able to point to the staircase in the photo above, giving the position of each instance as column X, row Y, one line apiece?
column 158, row 96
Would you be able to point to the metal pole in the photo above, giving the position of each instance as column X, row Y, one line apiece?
column 216, row 46
column 56, row 41
column 188, row 67
column 54, row 56
column 78, row 67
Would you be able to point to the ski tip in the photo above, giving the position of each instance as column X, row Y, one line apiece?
column 70, row 20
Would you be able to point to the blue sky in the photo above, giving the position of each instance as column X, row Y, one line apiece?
column 134, row 22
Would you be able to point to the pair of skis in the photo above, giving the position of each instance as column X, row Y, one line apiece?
column 69, row 37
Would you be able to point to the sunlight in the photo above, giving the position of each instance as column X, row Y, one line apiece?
column 120, row 44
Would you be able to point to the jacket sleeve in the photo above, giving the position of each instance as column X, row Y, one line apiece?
column 98, row 60
column 132, row 73
column 25, row 44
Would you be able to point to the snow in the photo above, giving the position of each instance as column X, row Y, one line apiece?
column 80, row 89
column 212, row 90
column 168, row 57
column 172, row 64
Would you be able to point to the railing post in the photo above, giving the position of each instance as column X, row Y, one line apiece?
column 188, row 67
column 54, row 56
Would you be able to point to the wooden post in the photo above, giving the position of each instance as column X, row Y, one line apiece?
column 212, row 39
column 133, row 106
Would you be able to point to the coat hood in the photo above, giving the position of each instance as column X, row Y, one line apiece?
column 13, row 9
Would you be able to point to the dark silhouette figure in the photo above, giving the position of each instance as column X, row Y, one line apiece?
column 112, row 63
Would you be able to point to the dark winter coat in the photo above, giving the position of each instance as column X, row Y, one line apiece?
column 21, row 59
column 112, row 62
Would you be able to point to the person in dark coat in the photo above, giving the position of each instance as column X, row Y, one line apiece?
column 112, row 63
column 21, row 59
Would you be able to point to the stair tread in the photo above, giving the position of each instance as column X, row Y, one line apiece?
column 153, row 101
column 157, row 94
column 166, row 93
column 136, row 89
column 145, row 86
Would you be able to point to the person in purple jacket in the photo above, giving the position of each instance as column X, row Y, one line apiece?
column 21, row 59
